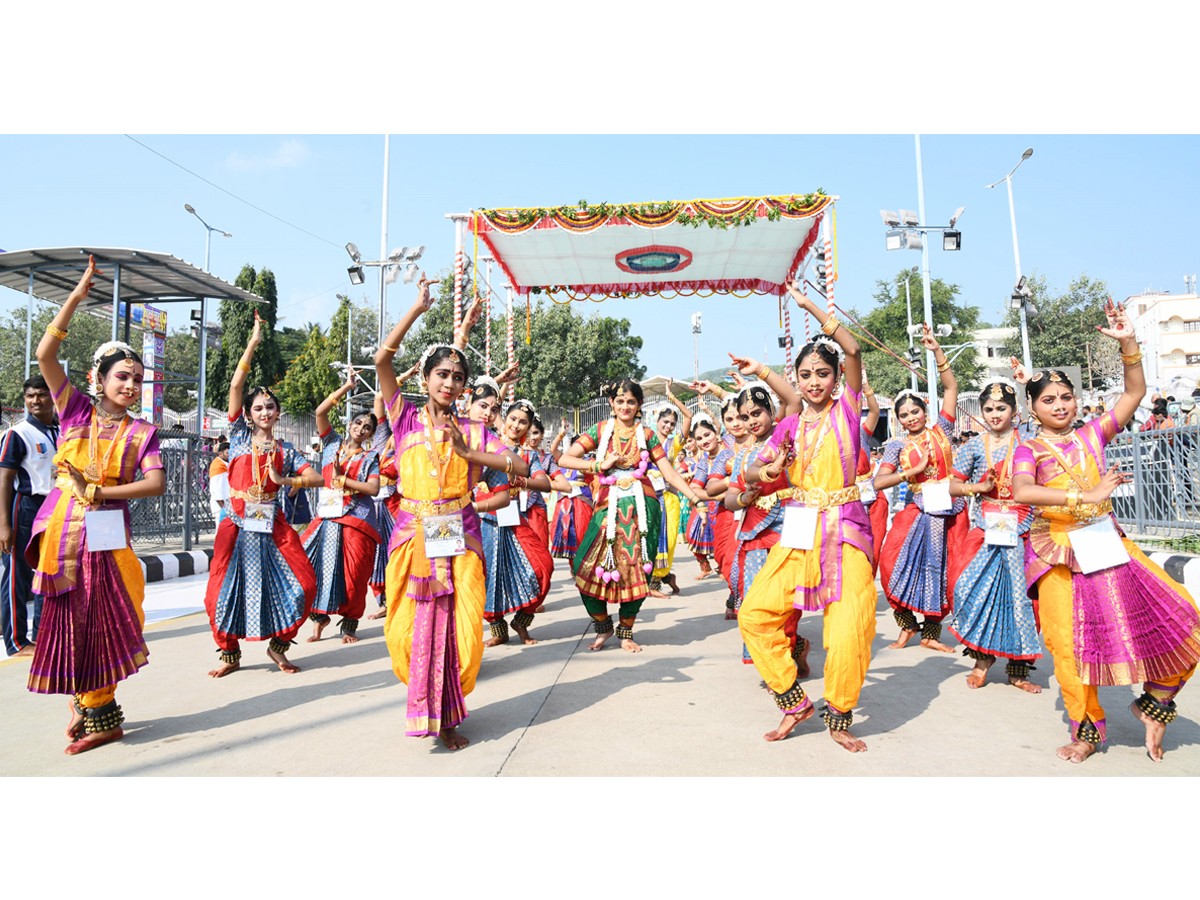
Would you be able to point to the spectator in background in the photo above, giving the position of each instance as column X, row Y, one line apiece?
column 175, row 438
column 1189, row 414
column 218, row 480
column 26, row 477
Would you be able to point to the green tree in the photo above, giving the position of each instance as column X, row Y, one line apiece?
column 888, row 323
column 310, row 376
column 1064, row 324
column 237, row 320
column 87, row 332
column 364, row 331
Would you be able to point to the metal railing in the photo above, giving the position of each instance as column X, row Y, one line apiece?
column 183, row 511
column 1164, row 497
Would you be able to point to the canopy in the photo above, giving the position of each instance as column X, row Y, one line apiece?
column 743, row 244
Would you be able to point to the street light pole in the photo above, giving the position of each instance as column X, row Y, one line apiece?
column 1012, row 215
column 202, row 383
column 930, row 365
column 908, row 303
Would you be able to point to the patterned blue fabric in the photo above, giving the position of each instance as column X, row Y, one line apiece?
column 919, row 578
column 511, row 582
column 383, row 517
column 260, row 596
column 360, row 506
column 324, row 550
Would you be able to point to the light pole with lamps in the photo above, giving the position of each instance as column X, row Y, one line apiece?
column 908, row 303
column 201, row 399
column 1019, row 297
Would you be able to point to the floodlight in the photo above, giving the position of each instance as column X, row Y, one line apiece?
column 908, row 217
column 951, row 240
column 957, row 215
column 889, row 217
column 913, row 241
column 356, row 274
column 894, row 239
column 398, row 254
column 354, row 254
column 391, row 273
column 942, row 330
column 410, row 272
column 414, row 253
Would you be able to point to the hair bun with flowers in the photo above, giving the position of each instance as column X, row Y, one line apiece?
column 486, row 381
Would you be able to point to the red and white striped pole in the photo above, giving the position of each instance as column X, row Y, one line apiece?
column 512, row 348
column 487, row 322
column 787, row 341
column 830, row 274
column 458, row 273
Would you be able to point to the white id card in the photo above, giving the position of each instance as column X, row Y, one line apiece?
column 937, row 496
column 331, row 503
column 105, row 529
column 508, row 516
column 1000, row 528
column 576, row 490
column 799, row 527
column 866, row 491
column 657, row 480
column 739, row 514
column 1097, row 546
column 259, row 517
column 523, row 501
column 444, row 535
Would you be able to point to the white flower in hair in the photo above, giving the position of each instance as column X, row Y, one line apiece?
column 486, row 381
column 105, row 349
column 429, row 351
column 825, row 341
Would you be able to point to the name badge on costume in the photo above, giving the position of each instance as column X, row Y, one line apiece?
column 866, row 492
column 444, row 535
column 331, row 503
column 1001, row 528
column 259, row 517
column 937, row 496
column 576, row 490
column 508, row 516
column 657, row 480
column 1097, row 546
column 739, row 514
column 105, row 529
column 523, row 501
column 799, row 527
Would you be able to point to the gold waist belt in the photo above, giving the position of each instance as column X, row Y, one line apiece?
column 253, row 495
column 1084, row 512
column 422, row 508
column 818, row 497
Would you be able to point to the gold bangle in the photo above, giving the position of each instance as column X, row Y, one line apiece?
column 56, row 332
column 764, row 372
column 1072, row 497
column 89, row 494
column 868, row 392
column 831, row 325
column 943, row 365
column 243, row 367
column 391, row 349
column 1133, row 358
column 508, row 465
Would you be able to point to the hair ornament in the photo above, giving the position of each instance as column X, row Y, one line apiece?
column 108, row 348
column 486, row 381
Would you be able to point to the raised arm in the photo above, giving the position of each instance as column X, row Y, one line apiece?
column 949, row 383
column 783, row 390
column 1120, row 329
column 685, row 414
column 330, row 402
column 56, row 331
column 832, row 326
column 463, row 335
column 391, row 344
column 871, row 422
column 238, row 382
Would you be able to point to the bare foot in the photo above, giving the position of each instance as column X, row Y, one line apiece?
column 978, row 675
column 224, row 669
column 451, row 739
column 849, row 741
column 1027, row 686
column 902, row 641
column 630, row 645
column 537, row 609
column 802, row 670
column 935, row 645
column 657, row 594
column 285, row 665
column 92, row 741
column 75, row 729
column 787, row 723
column 1076, row 751
column 1154, row 733
column 27, row 650
column 523, row 634
column 495, row 641
column 704, row 576
column 600, row 641
column 670, row 579
column 349, row 638
column 318, row 627
column 378, row 614
column 730, row 614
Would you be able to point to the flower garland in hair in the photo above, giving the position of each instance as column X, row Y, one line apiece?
column 105, row 349
column 486, row 381
column 608, row 572
column 429, row 351
column 757, row 391
column 822, row 340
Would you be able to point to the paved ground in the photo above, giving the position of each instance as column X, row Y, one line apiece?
column 686, row 706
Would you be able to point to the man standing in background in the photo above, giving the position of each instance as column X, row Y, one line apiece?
column 26, row 476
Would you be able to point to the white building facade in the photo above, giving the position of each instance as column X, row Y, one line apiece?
column 1168, row 328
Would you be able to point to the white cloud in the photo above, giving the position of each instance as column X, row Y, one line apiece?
column 287, row 155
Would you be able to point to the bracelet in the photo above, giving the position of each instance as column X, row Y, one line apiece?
column 831, row 325
column 508, row 465
column 1074, row 495
column 868, row 392
column 739, row 499
column 56, row 332
column 391, row 349
column 1133, row 358
column 943, row 365
column 243, row 367
column 89, row 494
column 764, row 372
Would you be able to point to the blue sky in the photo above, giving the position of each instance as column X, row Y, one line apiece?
column 1114, row 207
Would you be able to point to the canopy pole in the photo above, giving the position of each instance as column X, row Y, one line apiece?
column 29, row 328
column 487, row 323
column 458, row 273
column 512, row 350
column 116, row 298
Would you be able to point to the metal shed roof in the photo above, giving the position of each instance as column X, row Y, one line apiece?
column 140, row 276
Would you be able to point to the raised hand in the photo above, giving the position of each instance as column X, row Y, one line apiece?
column 424, row 296
column 928, row 341
column 1020, row 373
column 457, row 442
column 701, row 387
column 407, row 374
column 804, row 302
column 738, row 381
column 745, row 364
column 256, row 332
column 1109, row 482
column 509, row 375
column 85, row 280
column 1119, row 327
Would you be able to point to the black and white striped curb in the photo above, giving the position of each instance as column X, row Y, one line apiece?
column 1182, row 568
column 160, row 566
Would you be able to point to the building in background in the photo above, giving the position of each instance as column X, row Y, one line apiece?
column 989, row 351
column 1168, row 328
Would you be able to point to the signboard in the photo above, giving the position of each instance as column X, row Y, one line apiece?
column 154, row 353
